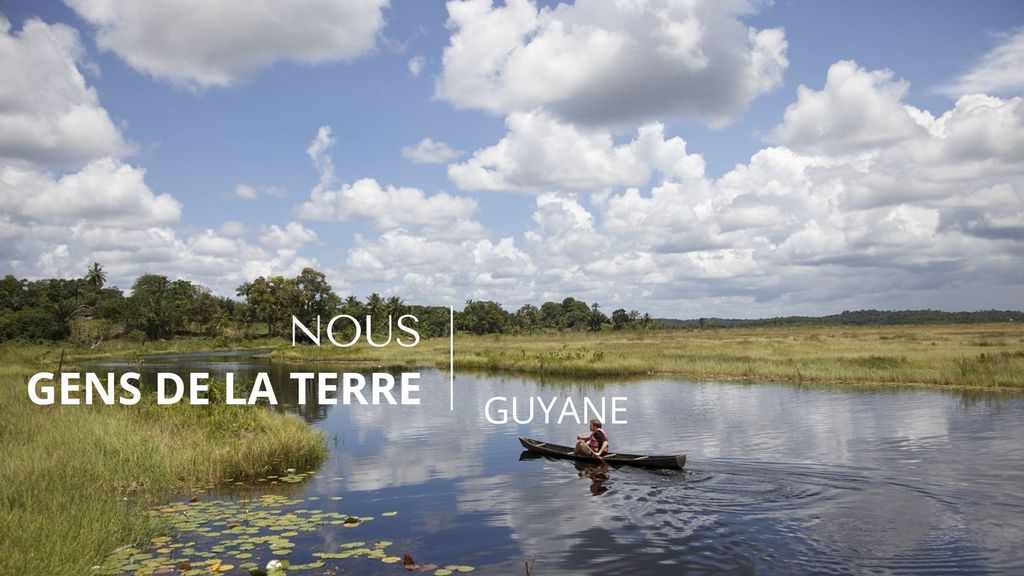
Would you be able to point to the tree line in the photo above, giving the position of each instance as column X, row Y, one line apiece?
column 852, row 318
column 156, row 307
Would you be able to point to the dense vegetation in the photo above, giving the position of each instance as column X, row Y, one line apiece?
column 87, row 312
column 156, row 308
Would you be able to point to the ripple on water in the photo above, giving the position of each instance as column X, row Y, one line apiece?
column 737, row 515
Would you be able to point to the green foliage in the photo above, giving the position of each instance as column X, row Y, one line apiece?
column 159, row 308
column 483, row 317
column 274, row 300
column 432, row 321
column 619, row 319
column 73, row 479
column 28, row 324
column 314, row 296
column 527, row 318
column 575, row 314
column 156, row 304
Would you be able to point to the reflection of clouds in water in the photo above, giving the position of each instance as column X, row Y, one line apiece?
column 560, row 494
column 769, row 426
column 716, row 420
column 415, row 444
column 816, row 478
column 558, row 512
column 904, row 435
column 985, row 477
column 829, row 479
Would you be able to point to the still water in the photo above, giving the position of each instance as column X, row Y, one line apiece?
column 779, row 479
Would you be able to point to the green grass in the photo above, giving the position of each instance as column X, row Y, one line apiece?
column 73, row 479
column 978, row 355
column 952, row 355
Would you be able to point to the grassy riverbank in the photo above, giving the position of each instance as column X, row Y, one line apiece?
column 976, row 355
column 74, row 478
column 962, row 355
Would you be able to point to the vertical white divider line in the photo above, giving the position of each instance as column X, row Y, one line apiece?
column 451, row 358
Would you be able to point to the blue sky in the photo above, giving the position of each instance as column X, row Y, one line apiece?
column 651, row 155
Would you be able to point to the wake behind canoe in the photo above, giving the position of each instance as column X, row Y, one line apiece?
column 674, row 462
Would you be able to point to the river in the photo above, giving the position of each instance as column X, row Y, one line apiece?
column 779, row 479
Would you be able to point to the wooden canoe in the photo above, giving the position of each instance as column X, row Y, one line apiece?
column 675, row 462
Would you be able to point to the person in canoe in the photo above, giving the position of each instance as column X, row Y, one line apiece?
column 595, row 444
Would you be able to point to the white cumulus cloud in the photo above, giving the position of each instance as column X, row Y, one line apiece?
column 68, row 198
column 424, row 268
column 856, row 110
column 202, row 44
column 387, row 207
column 600, row 62
column 293, row 235
column 877, row 204
column 104, row 190
column 48, row 113
column 540, row 152
column 65, row 248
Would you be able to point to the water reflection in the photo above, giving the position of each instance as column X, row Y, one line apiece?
column 780, row 479
column 598, row 475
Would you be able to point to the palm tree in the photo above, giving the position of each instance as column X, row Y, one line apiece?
column 394, row 306
column 96, row 276
column 374, row 304
column 374, row 308
column 353, row 307
column 64, row 313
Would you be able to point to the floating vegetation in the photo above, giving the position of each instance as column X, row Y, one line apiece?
column 252, row 537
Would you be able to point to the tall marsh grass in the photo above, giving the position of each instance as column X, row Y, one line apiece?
column 73, row 479
column 981, row 355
